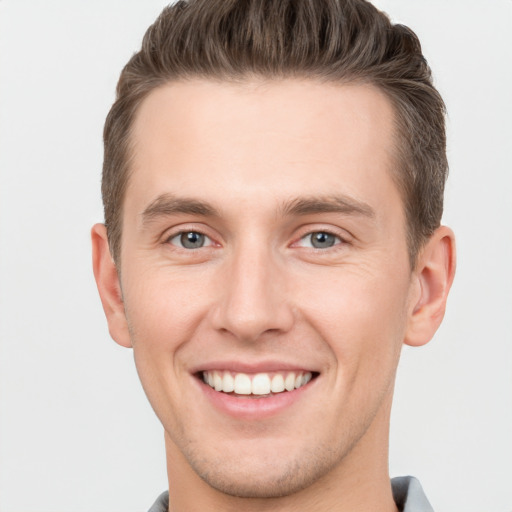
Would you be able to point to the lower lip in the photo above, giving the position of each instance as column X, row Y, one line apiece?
column 252, row 407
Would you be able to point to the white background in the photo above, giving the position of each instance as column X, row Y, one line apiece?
column 76, row 433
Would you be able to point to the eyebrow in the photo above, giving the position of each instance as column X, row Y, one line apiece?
column 168, row 204
column 328, row 204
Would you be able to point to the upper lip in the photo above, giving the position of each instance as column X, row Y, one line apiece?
column 251, row 367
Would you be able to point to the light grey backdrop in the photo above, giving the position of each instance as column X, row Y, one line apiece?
column 76, row 433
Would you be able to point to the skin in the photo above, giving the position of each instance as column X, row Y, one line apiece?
column 255, row 167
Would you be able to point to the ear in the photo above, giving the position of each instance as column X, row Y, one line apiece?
column 109, row 287
column 433, row 276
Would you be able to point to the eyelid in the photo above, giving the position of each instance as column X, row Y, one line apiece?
column 176, row 231
column 305, row 231
column 337, row 242
column 208, row 241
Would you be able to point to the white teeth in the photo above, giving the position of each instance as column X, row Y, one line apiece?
column 228, row 383
column 259, row 384
column 217, row 381
column 289, row 382
column 242, row 384
column 277, row 384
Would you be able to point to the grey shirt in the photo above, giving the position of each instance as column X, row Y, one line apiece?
column 407, row 493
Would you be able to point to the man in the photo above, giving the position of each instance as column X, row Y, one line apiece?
column 273, row 187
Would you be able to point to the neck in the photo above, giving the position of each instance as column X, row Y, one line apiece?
column 359, row 483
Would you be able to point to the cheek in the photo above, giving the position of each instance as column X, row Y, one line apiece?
column 163, row 311
column 163, row 306
column 361, row 318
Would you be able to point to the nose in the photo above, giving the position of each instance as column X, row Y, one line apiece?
column 253, row 301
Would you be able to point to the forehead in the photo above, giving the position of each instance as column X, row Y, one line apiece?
column 223, row 141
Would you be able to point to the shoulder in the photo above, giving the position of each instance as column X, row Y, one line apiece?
column 161, row 504
column 409, row 496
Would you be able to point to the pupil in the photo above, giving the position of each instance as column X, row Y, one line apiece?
column 192, row 240
column 321, row 240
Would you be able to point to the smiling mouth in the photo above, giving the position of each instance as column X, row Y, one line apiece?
column 259, row 384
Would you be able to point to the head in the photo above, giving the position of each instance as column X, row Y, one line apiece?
column 273, row 190
column 338, row 42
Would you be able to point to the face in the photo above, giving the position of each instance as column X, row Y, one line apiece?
column 264, row 252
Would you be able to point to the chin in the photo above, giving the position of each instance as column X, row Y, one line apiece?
column 265, row 483
column 263, row 476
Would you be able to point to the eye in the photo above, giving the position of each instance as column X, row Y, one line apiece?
column 190, row 240
column 320, row 240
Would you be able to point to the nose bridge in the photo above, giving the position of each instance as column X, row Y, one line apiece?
column 254, row 299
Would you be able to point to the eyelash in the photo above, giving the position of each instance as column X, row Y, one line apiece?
column 208, row 241
column 180, row 234
column 337, row 240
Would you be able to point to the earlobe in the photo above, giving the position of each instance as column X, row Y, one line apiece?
column 433, row 277
column 107, row 281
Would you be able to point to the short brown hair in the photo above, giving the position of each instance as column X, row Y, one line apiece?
column 340, row 41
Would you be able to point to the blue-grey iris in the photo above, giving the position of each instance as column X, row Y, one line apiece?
column 322, row 240
column 192, row 240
